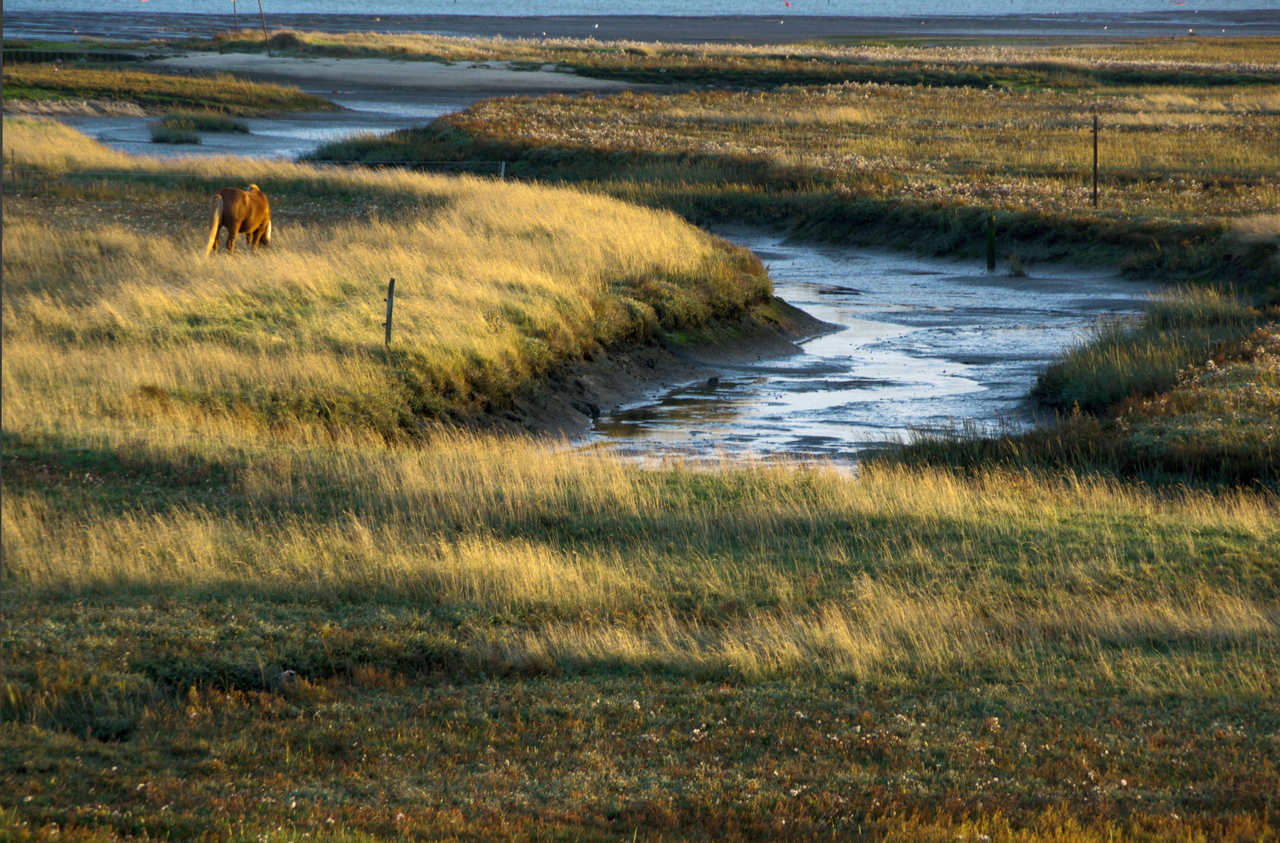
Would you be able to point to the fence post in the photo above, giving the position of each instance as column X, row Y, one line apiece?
column 1095, row 158
column 991, row 243
column 263, row 15
column 391, row 301
column 502, row 171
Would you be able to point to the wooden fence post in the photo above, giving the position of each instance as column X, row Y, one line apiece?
column 391, row 301
column 991, row 243
column 263, row 15
column 1095, row 158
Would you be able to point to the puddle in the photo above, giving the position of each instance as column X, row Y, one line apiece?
column 921, row 343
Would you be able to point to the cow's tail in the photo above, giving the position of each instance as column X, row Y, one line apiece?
column 215, row 222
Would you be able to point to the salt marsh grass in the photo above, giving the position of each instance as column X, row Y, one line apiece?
column 756, row 572
column 1144, row 356
column 250, row 592
column 222, row 92
column 496, row 284
column 924, row 166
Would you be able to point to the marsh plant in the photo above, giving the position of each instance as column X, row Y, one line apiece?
column 161, row 133
column 203, row 121
column 1144, row 355
column 160, row 91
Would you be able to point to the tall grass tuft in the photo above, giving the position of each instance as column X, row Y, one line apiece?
column 203, row 121
column 1143, row 356
column 173, row 134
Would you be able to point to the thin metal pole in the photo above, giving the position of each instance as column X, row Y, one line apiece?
column 391, row 303
column 263, row 15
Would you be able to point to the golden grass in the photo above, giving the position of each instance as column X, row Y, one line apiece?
column 1188, row 54
column 933, row 569
column 200, row 493
column 221, row 92
column 495, row 283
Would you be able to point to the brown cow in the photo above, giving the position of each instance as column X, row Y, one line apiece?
column 239, row 211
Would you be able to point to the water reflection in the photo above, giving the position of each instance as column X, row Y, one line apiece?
column 919, row 343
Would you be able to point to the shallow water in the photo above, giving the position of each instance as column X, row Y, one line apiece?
column 280, row 138
column 920, row 343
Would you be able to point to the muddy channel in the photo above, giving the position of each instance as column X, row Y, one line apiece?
column 916, row 344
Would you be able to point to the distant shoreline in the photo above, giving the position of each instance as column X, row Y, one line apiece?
column 772, row 29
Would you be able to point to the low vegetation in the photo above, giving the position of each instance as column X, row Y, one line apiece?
column 203, row 121
column 254, row 589
column 186, row 126
column 917, row 166
column 221, row 93
column 223, row 635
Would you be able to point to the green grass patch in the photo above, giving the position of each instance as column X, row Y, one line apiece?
column 172, row 134
column 203, row 121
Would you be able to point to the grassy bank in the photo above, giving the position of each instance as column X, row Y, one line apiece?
column 220, row 93
column 497, row 284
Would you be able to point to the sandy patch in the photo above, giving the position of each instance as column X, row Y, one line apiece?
column 458, row 82
column 73, row 108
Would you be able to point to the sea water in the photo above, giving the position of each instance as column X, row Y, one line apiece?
column 660, row 8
